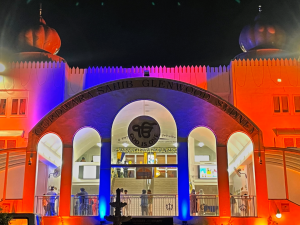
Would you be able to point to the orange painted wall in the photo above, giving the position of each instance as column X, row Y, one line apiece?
column 254, row 83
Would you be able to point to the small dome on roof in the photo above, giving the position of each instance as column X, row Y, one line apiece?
column 261, row 34
column 40, row 37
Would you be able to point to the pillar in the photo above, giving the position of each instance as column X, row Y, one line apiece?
column 66, row 181
column 262, row 202
column 105, row 177
column 223, row 182
column 29, row 182
column 183, row 181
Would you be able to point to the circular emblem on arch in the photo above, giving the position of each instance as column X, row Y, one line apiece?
column 144, row 131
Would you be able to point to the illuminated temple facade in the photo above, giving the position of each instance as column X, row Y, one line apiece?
column 227, row 150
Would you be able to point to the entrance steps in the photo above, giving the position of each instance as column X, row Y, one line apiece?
column 135, row 186
column 132, row 185
column 165, row 186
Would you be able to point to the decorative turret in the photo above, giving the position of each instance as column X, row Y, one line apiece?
column 41, row 36
column 261, row 35
column 39, row 42
column 261, row 39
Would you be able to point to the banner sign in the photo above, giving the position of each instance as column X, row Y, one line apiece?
column 150, row 221
column 144, row 131
column 142, row 150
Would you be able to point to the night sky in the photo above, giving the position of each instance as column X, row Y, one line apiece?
column 144, row 32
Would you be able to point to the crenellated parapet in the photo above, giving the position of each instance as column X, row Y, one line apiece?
column 215, row 79
column 35, row 65
column 266, row 73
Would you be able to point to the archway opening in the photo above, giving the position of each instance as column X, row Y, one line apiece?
column 147, row 169
column 49, row 161
column 203, row 173
column 241, row 175
column 86, row 172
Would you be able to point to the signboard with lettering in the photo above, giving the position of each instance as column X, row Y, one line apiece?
column 101, row 89
column 144, row 131
column 150, row 221
column 144, row 173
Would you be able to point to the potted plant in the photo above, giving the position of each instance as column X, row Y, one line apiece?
column 5, row 218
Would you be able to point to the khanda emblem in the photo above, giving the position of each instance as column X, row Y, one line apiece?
column 144, row 130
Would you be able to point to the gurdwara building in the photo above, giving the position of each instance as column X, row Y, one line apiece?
column 187, row 145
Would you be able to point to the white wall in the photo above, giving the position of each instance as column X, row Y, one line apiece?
column 293, row 178
column 15, row 182
column 41, row 181
column 275, row 181
column 2, row 177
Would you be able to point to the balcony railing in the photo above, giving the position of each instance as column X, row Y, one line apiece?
column 148, row 205
column 47, row 205
column 243, row 206
column 86, row 205
column 204, row 205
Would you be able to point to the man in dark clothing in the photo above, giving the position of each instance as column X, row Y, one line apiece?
column 83, row 201
column 144, row 203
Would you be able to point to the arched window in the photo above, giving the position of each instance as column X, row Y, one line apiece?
column 241, row 175
column 49, row 163
column 203, row 173
column 133, row 167
column 86, row 172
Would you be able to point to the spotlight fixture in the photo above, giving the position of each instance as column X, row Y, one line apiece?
column 278, row 80
column 278, row 214
column 99, row 144
column 2, row 67
column 125, row 145
column 30, row 160
column 201, row 144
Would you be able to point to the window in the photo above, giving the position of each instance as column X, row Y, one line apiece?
column 276, row 104
column 297, row 103
column 11, row 143
column 2, row 107
column 288, row 142
column 281, row 104
column 8, row 144
column 2, row 144
column 18, row 107
column 291, row 142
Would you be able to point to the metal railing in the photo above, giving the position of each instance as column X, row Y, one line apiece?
column 243, row 206
column 148, row 205
column 47, row 205
column 204, row 205
column 85, row 205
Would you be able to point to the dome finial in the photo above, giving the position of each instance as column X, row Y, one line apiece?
column 40, row 9
column 259, row 8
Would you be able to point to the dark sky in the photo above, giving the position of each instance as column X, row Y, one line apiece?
column 146, row 32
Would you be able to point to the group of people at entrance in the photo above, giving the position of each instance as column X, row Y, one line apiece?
column 85, row 205
column 197, row 204
column 49, row 202
column 146, row 202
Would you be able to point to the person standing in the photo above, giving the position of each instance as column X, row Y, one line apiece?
column 193, row 202
column 46, row 205
column 95, row 205
column 233, row 204
column 201, row 202
column 52, row 198
column 126, row 199
column 150, row 203
column 83, row 201
column 144, row 203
